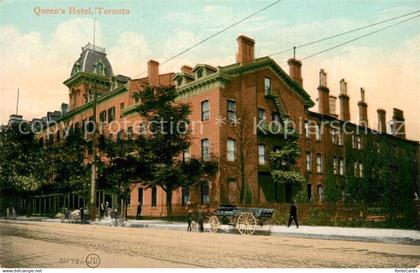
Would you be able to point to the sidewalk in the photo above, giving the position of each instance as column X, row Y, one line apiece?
column 317, row 232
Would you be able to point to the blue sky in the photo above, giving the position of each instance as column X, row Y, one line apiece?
column 386, row 64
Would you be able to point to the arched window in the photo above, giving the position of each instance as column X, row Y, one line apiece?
column 100, row 68
column 154, row 197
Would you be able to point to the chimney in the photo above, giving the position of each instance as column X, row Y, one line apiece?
column 153, row 72
column 323, row 93
column 381, row 120
column 295, row 70
column 344, row 101
column 332, row 101
column 398, row 123
column 246, row 50
column 363, row 116
column 187, row 69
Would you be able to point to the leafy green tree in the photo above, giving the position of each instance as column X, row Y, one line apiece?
column 284, row 169
column 167, row 137
column 19, row 161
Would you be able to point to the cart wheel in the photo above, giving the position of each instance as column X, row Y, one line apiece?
column 214, row 224
column 246, row 223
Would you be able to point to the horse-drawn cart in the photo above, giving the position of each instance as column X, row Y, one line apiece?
column 245, row 220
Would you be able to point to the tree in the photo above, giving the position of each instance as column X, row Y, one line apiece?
column 166, row 138
column 19, row 160
column 284, row 165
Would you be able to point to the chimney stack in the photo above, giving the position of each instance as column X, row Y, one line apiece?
column 381, row 120
column 295, row 70
column 187, row 69
column 344, row 101
column 323, row 93
column 153, row 72
column 332, row 101
column 363, row 116
column 398, row 123
column 246, row 50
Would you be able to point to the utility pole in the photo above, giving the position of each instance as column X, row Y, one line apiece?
column 92, row 205
column 17, row 102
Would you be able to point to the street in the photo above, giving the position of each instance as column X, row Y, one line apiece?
column 40, row 244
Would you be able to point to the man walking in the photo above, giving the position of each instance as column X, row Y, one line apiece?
column 293, row 215
column 82, row 215
column 138, row 211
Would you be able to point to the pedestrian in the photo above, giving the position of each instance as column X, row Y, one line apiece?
column 116, row 217
column 293, row 215
column 106, row 209
column 102, row 210
column 200, row 220
column 138, row 211
column 189, row 220
column 7, row 213
column 82, row 215
column 14, row 213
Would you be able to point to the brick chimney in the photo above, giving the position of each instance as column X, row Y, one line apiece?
column 295, row 70
column 323, row 93
column 344, row 101
column 246, row 50
column 363, row 116
column 187, row 69
column 332, row 101
column 398, row 123
column 153, row 72
column 381, row 120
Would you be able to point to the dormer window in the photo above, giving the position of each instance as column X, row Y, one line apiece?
column 179, row 81
column 100, row 68
column 199, row 73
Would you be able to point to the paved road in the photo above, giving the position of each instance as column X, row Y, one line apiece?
column 40, row 244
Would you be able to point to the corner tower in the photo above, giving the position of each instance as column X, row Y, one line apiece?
column 91, row 73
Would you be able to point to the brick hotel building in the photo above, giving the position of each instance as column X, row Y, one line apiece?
column 248, row 90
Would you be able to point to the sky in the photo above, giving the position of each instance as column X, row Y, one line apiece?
column 41, row 40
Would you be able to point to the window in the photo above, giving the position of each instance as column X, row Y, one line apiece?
column 111, row 114
column 359, row 142
column 353, row 142
column 360, row 169
column 356, row 169
column 309, row 191
column 308, row 162
column 199, row 73
column 122, row 105
column 334, row 136
column 267, row 86
column 307, row 135
column 154, row 197
column 261, row 115
column 102, row 116
column 261, row 154
column 231, row 150
column 120, row 135
column 185, row 195
column 100, row 68
column 205, row 198
column 140, row 195
column 275, row 117
column 231, row 110
column 318, row 163
column 187, row 154
column 335, row 165
column 341, row 166
column 130, row 133
column 205, row 110
column 317, row 132
column 339, row 137
column 205, row 149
